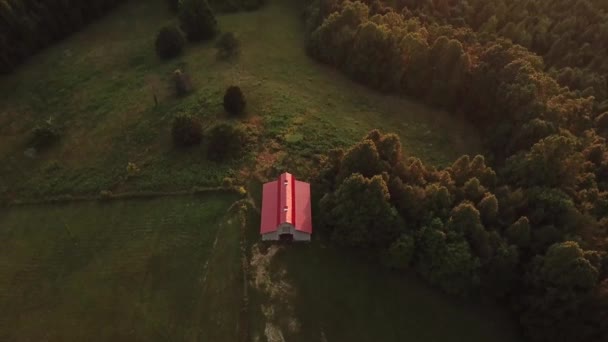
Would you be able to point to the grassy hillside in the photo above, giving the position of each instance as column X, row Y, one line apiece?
column 99, row 85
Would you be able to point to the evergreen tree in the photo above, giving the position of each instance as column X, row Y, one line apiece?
column 197, row 20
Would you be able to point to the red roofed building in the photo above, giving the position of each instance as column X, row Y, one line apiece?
column 286, row 210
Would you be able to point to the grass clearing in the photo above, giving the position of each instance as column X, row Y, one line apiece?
column 144, row 270
column 321, row 293
column 99, row 86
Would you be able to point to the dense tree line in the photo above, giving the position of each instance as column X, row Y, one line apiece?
column 534, row 231
column 570, row 35
column 466, row 230
column 236, row 5
column 498, row 85
column 27, row 26
column 224, row 5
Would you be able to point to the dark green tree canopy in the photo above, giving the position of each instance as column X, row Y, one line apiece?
column 360, row 214
column 362, row 158
column 234, row 100
column 187, row 130
column 565, row 267
column 227, row 141
column 169, row 42
column 197, row 20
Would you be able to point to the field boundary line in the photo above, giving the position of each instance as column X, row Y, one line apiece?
column 108, row 197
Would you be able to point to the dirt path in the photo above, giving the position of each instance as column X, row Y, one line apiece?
column 278, row 311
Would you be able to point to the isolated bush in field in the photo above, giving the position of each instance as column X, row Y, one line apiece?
column 197, row 20
column 227, row 182
column 182, row 82
column 169, row 42
column 187, row 130
column 44, row 135
column 132, row 169
column 105, row 195
column 228, row 46
column 226, row 141
column 234, row 100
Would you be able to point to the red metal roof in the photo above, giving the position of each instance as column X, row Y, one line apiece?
column 286, row 200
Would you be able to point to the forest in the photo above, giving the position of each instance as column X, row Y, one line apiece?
column 530, row 230
column 570, row 36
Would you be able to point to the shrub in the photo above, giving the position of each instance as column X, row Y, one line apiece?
column 105, row 195
column 226, row 141
column 169, row 42
column 234, row 100
column 132, row 169
column 44, row 135
column 227, row 182
column 187, row 130
column 228, row 46
column 182, row 82
column 197, row 20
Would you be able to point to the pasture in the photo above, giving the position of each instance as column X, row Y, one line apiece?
column 99, row 84
column 134, row 270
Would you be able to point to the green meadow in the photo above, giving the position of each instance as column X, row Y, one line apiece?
column 99, row 86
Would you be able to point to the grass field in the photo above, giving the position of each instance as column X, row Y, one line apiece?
column 166, row 269
column 320, row 293
column 99, row 85
column 169, row 269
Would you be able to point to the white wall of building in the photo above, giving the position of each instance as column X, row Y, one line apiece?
column 286, row 228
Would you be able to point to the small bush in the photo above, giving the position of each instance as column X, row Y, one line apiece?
column 105, row 195
column 234, row 100
column 226, row 141
column 132, row 170
column 186, row 131
column 228, row 46
column 44, row 135
column 169, row 42
column 197, row 20
column 182, row 82
column 227, row 182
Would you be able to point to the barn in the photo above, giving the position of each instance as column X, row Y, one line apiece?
column 286, row 210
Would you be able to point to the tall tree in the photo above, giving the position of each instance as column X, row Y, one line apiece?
column 197, row 20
